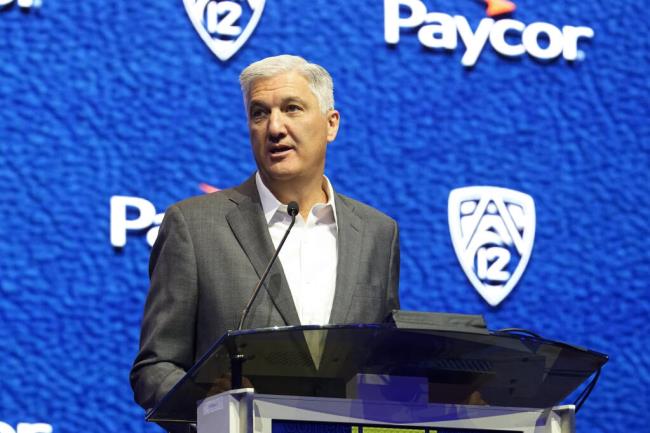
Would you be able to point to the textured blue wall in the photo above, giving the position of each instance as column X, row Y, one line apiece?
column 123, row 98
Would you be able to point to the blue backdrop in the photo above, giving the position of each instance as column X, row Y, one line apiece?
column 101, row 99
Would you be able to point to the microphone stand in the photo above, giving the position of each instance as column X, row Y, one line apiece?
column 237, row 360
column 292, row 210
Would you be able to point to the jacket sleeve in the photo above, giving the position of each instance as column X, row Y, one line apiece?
column 167, row 339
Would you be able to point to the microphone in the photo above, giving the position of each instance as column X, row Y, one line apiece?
column 292, row 210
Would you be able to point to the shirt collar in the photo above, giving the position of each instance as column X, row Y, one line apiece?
column 271, row 205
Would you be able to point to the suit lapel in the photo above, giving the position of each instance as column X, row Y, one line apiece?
column 250, row 228
column 350, row 229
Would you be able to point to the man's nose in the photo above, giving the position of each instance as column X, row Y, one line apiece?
column 277, row 127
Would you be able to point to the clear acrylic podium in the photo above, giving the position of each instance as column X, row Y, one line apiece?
column 378, row 379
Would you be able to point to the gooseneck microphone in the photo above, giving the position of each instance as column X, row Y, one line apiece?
column 292, row 210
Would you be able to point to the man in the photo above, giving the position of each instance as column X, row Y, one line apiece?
column 340, row 264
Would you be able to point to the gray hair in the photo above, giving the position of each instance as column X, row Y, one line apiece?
column 319, row 80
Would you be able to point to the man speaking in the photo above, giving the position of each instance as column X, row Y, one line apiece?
column 339, row 264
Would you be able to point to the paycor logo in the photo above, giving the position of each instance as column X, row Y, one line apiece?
column 147, row 219
column 138, row 215
column 25, row 427
column 508, row 37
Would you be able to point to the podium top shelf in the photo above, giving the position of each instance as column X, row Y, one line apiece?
column 460, row 367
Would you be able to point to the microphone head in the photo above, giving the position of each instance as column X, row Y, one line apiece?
column 292, row 208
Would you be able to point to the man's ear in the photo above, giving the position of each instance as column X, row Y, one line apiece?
column 333, row 119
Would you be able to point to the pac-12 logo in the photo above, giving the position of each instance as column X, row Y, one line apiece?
column 492, row 230
column 221, row 23
column 23, row 4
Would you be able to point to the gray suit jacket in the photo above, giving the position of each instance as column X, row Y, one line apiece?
column 210, row 252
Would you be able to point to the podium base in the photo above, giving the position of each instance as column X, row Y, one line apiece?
column 243, row 411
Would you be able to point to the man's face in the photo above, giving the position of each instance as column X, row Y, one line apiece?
column 289, row 133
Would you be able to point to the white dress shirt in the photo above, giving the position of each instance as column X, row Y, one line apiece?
column 309, row 254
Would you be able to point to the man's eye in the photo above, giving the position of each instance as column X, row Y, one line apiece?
column 257, row 113
column 293, row 107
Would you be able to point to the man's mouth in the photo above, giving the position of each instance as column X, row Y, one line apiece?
column 280, row 150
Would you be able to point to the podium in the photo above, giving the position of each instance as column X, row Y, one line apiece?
column 379, row 379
